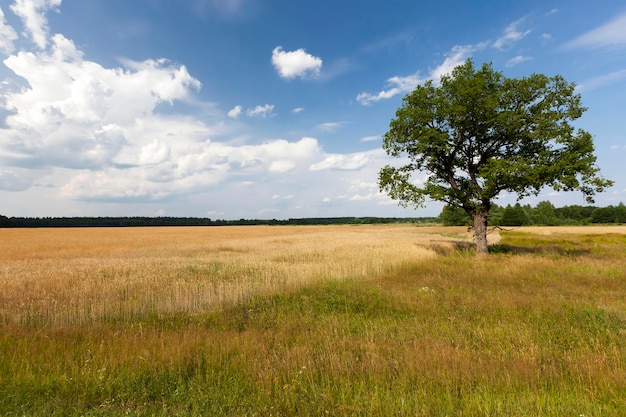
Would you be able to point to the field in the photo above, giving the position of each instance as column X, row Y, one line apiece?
column 312, row 321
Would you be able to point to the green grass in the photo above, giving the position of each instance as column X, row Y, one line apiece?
column 539, row 329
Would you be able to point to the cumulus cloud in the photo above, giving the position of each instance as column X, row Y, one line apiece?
column 189, row 167
column 7, row 35
column 260, row 111
column 612, row 33
column 235, row 112
column 342, row 162
column 402, row 85
column 257, row 111
column 77, row 112
column 76, row 132
column 359, row 190
column 98, row 130
column 512, row 34
column 296, row 63
column 32, row 13
column 298, row 110
column 282, row 165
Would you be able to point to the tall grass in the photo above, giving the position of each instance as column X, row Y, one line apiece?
column 538, row 329
column 64, row 277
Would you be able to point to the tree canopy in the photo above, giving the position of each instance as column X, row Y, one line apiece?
column 478, row 134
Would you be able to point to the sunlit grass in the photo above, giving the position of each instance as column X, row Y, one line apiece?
column 525, row 332
column 74, row 276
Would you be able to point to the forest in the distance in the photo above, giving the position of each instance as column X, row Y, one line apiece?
column 544, row 214
column 25, row 222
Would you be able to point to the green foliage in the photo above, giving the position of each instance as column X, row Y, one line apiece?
column 610, row 214
column 515, row 216
column 454, row 216
column 479, row 134
column 544, row 214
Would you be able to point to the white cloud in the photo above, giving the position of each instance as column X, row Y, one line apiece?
column 602, row 80
column 511, row 35
column 351, row 162
column 397, row 85
column 298, row 110
column 365, row 197
column 282, row 165
column 331, row 126
column 260, row 111
column 78, row 133
column 612, row 33
column 457, row 56
column 32, row 14
column 402, row 85
column 296, row 63
column 7, row 35
column 517, row 60
column 359, row 190
column 370, row 138
column 282, row 197
column 79, row 114
column 14, row 180
column 235, row 112
column 188, row 167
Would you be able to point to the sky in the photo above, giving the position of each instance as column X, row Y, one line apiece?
column 266, row 109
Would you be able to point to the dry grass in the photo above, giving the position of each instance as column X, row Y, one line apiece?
column 345, row 321
column 73, row 276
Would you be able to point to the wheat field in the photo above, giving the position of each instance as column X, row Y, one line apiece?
column 367, row 320
column 75, row 276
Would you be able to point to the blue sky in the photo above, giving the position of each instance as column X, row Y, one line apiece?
column 265, row 109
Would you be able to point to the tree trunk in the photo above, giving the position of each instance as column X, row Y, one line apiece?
column 480, row 232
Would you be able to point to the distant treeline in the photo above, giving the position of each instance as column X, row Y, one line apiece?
column 24, row 222
column 512, row 215
column 544, row 214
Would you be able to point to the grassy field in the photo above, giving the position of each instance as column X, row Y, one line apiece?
column 383, row 320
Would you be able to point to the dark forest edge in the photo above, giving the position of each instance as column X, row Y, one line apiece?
column 544, row 214
column 32, row 222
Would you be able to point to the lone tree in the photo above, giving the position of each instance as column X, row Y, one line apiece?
column 480, row 133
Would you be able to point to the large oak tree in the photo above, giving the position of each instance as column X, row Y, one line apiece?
column 478, row 134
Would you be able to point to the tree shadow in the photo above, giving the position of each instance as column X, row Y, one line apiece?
column 447, row 247
column 508, row 249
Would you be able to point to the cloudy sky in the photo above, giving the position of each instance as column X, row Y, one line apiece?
column 264, row 108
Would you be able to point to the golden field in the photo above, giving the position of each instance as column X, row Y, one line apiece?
column 73, row 276
column 376, row 320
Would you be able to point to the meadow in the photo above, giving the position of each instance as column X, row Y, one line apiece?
column 312, row 321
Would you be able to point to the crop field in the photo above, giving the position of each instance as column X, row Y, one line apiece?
column 394, row 320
